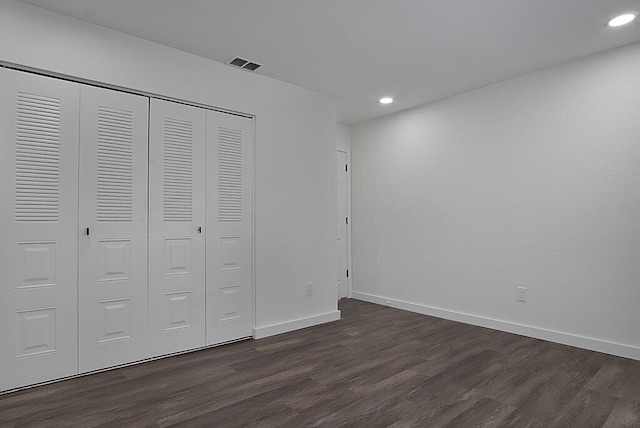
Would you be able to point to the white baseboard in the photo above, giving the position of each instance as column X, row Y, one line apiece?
column 598, row 345
column 285, row 327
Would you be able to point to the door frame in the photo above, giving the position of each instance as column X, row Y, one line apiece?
column 349, row 261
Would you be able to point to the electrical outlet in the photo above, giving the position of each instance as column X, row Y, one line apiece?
column 309, row 288
column 522, row 294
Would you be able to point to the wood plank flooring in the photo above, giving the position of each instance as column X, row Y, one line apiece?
column 377, row 367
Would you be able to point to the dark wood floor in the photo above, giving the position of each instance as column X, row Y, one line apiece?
column 376, row 367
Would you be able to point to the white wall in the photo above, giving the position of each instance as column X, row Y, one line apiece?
column 343, row 142
column 531, row 182
column 295, row 153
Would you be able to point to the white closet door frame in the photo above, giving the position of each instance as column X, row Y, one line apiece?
column 230, row 257
column 39, row 218
column 112, row 282
column 344, row 221
column 176, row 227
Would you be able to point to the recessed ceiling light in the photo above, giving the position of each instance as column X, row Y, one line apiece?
column 623, row 19
column 386, row 100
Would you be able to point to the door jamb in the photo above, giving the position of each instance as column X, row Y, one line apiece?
column 349, row 261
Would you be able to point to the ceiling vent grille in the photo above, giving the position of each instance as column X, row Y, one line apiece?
column 245, row 64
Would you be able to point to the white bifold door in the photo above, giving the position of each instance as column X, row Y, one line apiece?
column 126, row 228
column 176, row 227
column 229, row 227
column 39, row 228
column 112, row 269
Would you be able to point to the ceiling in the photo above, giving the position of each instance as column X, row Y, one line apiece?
column 357, row 51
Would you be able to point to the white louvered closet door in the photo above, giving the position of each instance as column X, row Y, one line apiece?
column 229, row 227
column 38, row 219
column 176, row 235
column 112, row 268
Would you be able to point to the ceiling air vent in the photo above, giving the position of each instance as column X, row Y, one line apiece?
column 244, row 64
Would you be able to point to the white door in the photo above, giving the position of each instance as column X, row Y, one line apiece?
column 343, row 221
column 112, row 270
column 176, row 222
column 229, row 227
column 39, row 224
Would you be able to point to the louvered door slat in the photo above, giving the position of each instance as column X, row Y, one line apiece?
column 37, row 160
column 178, row 170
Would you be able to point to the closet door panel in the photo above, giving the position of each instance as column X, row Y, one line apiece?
column 229, row 227
column 176, row 238
column 39, row 223
column 113, row 219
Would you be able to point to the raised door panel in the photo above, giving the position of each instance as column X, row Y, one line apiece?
column 113, row 219
column 176, row 238
column 38, row 218
column 229, row 227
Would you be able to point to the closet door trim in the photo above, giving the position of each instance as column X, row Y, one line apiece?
column 133, row 91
